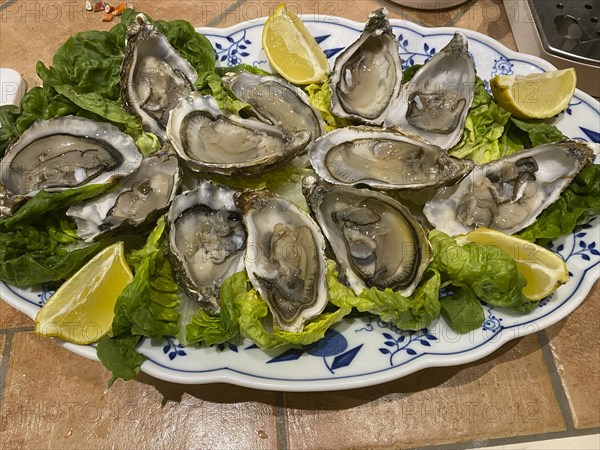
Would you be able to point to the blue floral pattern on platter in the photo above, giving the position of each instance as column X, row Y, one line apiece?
column 365, row 351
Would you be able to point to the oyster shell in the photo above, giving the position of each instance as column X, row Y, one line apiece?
column 366, row 77
column 207, row 241
column 277, row 102
column 375, row 239
column 508, row 194
column 383, row 159
column 154, row 77
column 64, row 153
column 140, row 197
column 285, row 258
column 212, row 141
column 435, row 103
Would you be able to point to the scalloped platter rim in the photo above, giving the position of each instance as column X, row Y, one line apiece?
column 364, row 351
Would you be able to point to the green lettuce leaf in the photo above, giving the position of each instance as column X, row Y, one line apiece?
column 484, row 127
column 44, row 202
column 488, row 271
column 119, row 355
column 534, row 133
column 209, row 83
column 575, row 206
column 461, row 309
column 285, row 181
column 245, row 313
column 31, row 255
column 407, row 313
column 148, row 305
column 222, row 71
column 319, row 96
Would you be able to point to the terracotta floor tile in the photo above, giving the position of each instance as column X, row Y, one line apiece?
column 482, row 400
column 578, row 362
column 55, row 399
column 11, row 318
column 488, row 17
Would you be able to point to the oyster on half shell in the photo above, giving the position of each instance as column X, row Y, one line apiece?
column 508, row 194
column 207, row 241
column 383, row 159
column 277, row 101
column 154, row 77
column 366, row 77
column 285, row 258
column 376, row 240
column 210, row 140
column 139, row 198
column 434, row 104
column 64, row 153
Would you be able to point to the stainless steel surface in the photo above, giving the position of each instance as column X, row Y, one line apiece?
column 569, row 28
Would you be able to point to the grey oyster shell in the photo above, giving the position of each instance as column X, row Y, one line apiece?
column 139, row 198
column 434, row 104
column 154, row 77
column 285, row 258
column 277, row 102
column 508, row 194
column 212, row 141
column 207, row 241
column 383, row 159
column 375, row 239
column 367, row 76
column 64, row 153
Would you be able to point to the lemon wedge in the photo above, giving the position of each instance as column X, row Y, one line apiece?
column 535, row 96
column 545, row 271
column 82, row 309
column 291, row 50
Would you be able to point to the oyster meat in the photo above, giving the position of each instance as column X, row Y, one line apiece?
column 383, row 159
column 508, row 194
column 366, row 77
column 140, row 197
column 285, row 258
column 64, row 153
column 375, row 239
column 278, row 102
column 207, row 241
column 434, row 104
column 212, row 141
column 154, row 77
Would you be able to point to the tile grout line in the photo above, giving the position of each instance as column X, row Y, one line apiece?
column 523, row 439
column 4, row 365
column 555, row 379
column 8, row 331
column 223, row 15
column 280, row 423
column 7, row 4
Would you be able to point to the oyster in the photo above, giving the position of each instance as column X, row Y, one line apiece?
column 154, row 77
column 375, row 239
column 140, row 197
column 366, row 77
column 285, row 258
column 207, row 241
column 64, row 153
column 508, row 194
column 435, row 103
column 383, row 159
column 210, row 140
column 278, row 102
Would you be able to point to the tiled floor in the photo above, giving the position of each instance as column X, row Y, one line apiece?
column 540, row 386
